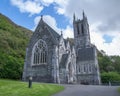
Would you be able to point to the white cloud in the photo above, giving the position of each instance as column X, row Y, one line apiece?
column 51, row 22
column 61, row 6
column 46, row 2
column 68, row 32
column 36, row 6
column 60, row 10
column 112, row 48
column 28, row 6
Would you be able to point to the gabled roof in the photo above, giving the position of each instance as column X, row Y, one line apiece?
column 53, row 33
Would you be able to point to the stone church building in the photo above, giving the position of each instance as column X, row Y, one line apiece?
column 51, row 58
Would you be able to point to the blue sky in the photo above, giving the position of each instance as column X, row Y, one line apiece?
column 27, row 21
column 103, row 17
column 15, row 15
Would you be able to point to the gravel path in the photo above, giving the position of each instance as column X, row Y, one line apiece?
column 88, row 90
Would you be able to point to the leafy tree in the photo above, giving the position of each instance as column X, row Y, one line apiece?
column 110, row 76
column 108, row 63
column 105, row 64
column 116, row 63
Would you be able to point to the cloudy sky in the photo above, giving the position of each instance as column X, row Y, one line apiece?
column 103, row 17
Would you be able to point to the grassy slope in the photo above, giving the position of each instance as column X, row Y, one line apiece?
column 13, row 42
column 16, row 88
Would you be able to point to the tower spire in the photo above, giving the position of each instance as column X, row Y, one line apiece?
column 83, row 14
column 41, row 17
column 74, row 17
column 61, row 33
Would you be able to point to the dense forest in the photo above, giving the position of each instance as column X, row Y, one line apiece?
column 13, row 43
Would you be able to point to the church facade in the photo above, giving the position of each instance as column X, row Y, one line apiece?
column 53, row 59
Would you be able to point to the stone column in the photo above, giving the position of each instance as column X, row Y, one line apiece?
column 24, row 69
column 55, row 65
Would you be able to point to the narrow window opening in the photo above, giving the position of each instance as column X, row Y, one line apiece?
column 82, row 29
column 79, row 69
column 78, row 29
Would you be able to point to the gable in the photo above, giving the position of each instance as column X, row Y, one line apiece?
column 50, row 32
column 45, row 32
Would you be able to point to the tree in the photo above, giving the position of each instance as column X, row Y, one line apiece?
column 116, row 63
column 110, row 76
column 11, row 68
column 105, row 63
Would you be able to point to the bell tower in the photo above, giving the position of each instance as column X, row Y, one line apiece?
column 81, row 32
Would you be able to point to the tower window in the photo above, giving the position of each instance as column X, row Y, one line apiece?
column 39, row 53
column 90, row 68
column 79, row 68
column 82, row 29
column 78, row 29
column 84, row 68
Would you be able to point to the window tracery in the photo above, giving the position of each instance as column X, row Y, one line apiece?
column 40, row 53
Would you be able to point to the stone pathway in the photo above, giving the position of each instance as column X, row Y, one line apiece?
column 88, row 90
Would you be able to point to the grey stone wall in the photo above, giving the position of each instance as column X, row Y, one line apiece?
column 43, row 72
column 89, row 68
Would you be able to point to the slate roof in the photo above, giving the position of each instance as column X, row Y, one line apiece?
column 55, row 34
column 64, row 60
column 85, row 54
column 43, row 25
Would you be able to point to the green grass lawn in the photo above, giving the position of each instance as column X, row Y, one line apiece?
column 119, row 89
column 17, row 88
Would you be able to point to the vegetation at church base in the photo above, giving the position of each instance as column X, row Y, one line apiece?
column 110, row 77
column 17, row 88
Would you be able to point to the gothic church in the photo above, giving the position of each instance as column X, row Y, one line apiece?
column 51, row 58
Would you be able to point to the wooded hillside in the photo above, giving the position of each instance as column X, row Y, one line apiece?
column 13, row 42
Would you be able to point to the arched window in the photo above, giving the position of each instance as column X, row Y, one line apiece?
column 82, row 29
column 90, row 68
column 79, row 68
column 39, row 53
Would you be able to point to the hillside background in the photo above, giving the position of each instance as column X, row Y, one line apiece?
column 13, row 43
